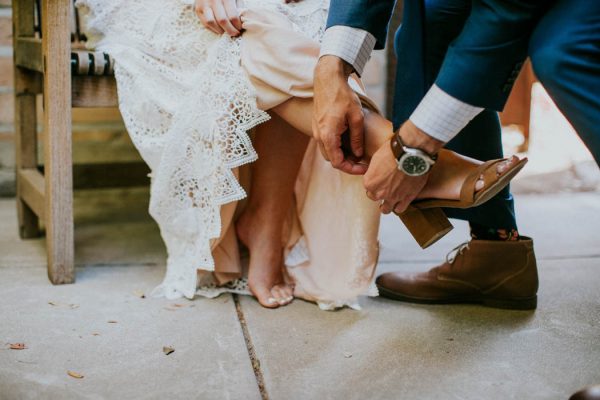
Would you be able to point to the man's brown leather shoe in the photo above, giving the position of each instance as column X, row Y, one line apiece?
column 501, row 274
column 589, row 393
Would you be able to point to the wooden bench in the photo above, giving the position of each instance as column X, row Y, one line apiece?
column 50, row 60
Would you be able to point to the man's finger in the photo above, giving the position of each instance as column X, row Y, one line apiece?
column 400, row 206
column 223, row 20
column 345, row 165
column 353, row 168
column 357, row 137
column 323, row 152
column 385, row 207
column 317, row 137
column 332, row 146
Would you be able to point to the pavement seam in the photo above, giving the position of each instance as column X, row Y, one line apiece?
column 260, row 380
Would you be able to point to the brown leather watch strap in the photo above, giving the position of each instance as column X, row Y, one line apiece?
column 397, row 146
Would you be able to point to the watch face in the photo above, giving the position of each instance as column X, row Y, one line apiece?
column 414, row 165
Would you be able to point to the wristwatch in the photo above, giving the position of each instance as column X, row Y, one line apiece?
column 413, row 162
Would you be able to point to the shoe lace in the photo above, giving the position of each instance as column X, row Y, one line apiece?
column 455, row 252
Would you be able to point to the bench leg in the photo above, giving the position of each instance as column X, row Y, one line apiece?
column 26, row 86
column 26, row 157
column 58, row 169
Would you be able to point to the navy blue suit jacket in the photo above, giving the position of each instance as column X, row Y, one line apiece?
column 482, row 63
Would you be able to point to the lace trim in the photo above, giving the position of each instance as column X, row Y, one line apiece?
column 187, row 105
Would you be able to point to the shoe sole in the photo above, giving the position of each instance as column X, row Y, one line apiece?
column 527, row 303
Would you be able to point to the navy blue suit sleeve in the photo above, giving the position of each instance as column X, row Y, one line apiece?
column 370, row 15
column 483, row 62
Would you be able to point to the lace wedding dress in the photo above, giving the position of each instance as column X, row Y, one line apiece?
column 189, row 99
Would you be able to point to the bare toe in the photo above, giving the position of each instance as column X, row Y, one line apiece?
column 265, row 297
column 279, row 295
column 283, row 294
column 479, row 184
column 506, row 165
column 287, row 290
column 501, row 169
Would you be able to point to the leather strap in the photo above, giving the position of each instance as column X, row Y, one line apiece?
column 467, row 192
column 397, row 146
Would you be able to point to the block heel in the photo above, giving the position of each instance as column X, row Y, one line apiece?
column 427, row 222
column 427, row 226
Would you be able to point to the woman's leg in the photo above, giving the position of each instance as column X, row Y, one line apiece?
column 280, row 149
column 447, row 176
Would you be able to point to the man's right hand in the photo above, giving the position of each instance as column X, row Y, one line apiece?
column 337, row 109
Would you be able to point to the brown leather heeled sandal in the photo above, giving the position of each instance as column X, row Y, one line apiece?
column 425, row 219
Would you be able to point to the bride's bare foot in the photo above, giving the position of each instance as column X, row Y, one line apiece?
column 265, row 275
column 447, row 182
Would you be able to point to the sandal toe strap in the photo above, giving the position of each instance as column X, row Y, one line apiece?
column 490, row 175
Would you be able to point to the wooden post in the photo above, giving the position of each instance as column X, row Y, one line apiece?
column 26, row 85
column 56, row 45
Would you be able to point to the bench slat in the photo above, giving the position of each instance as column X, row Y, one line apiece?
column 32, row 190
column 28, row 53
column 94, row 91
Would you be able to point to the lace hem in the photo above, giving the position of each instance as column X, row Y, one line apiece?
column 188, row 106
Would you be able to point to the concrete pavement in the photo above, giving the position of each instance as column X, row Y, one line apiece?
column 101, row 328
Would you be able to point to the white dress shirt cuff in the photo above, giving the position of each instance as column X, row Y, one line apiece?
column 442, row 116
column 352, row 45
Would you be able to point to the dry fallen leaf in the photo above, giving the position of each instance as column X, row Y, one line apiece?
column 168, row 350
column 112, row 322
column 139, row 293
column 55, row 304
column 95, row 334
column 174, row 306
column 347, row 355
column 74, row 374
column 17, row 346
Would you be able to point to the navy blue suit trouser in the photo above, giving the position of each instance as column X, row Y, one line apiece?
column 565, row 55
column 443, row 20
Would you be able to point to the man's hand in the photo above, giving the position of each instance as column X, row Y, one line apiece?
column 337, row 109
column 222, row 16
column 384, row 182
